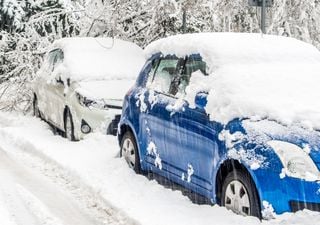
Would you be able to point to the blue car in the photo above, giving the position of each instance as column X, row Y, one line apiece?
column 198, row 115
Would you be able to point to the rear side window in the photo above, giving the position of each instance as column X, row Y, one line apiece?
column 163, row 74
column 192, row 65
column 171, row 75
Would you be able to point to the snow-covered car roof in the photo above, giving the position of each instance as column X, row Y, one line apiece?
column 87, row 58
column 221, row 49
column 252, row 76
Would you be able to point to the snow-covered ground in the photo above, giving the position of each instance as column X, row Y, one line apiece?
column 91, row 183
column 31, row 198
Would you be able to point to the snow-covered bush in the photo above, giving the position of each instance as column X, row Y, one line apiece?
column 27, row 27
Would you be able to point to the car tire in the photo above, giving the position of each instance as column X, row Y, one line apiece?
column 68, row 126
column 239, row 194
column 36, row 111
column 129, row 151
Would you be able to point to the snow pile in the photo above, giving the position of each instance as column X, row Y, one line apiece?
column 268, row 211
column 253, row 76
column 98, row 58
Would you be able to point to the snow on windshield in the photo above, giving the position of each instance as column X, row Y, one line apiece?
column 99, row 58
column 252, row 76
column 105, row 89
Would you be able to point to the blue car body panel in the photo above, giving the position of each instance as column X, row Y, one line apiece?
column 189, row 143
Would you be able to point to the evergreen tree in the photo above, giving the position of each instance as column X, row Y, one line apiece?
column 46, row 16
column 11, row 15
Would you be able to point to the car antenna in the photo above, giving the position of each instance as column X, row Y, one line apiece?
column 106, row 47
column 112, row 33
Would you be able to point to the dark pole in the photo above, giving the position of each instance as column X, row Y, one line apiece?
column 184, row 21
column 263, row 16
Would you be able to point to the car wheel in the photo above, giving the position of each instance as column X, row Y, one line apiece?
column 129, row 151
column 36, row 111
column 239, row 194
column 68, row 126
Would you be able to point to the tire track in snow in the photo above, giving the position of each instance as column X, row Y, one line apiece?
column 87, row 208
column 38, row 199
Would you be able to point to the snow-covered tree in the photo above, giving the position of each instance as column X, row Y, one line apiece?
column 296, row 18
column 27, row 27
column 23, row 41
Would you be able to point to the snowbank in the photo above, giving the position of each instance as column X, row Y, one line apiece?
column 99, row 58
column 93, row 162
column 253, row 76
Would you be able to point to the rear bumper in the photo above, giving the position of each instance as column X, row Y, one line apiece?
column 113, row 126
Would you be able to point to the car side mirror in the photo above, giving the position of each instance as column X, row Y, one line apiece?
column 59, row 81
column 200, row 100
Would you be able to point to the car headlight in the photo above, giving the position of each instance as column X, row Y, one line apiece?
column 296, row 162
column 87, row 102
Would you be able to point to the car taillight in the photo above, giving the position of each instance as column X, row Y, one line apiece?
column 129, row 91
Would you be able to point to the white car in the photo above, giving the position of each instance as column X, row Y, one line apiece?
column 81, row 85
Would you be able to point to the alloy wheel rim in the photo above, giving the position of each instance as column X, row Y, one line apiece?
column 128, row 152
column 237, row 198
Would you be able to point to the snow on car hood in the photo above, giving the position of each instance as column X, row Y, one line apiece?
column 263, row 131
column 252, row 76
column 112, row 91
column 98, row 58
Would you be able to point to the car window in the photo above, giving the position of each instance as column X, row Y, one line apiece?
column 164, row 73
column 51, row 58
column 171, row 75
column 192, row 65
column 58, row 59
column 55, row 58
column 154, row 66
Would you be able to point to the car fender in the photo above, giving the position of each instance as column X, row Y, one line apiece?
column 126, row 122
column 272, row 166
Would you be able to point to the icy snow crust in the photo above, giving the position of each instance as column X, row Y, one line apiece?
column 252, row 76
column 99, row 59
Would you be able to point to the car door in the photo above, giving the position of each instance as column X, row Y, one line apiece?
column 156, row 123
column 55, row 90
column 186, row 141
column 43, row 94
column 198, row 136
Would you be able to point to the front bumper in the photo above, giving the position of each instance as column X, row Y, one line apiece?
column 288, row 194
column 296, row 206
column 104, row 120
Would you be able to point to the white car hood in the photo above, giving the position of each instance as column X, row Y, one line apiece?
column 111, row 91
